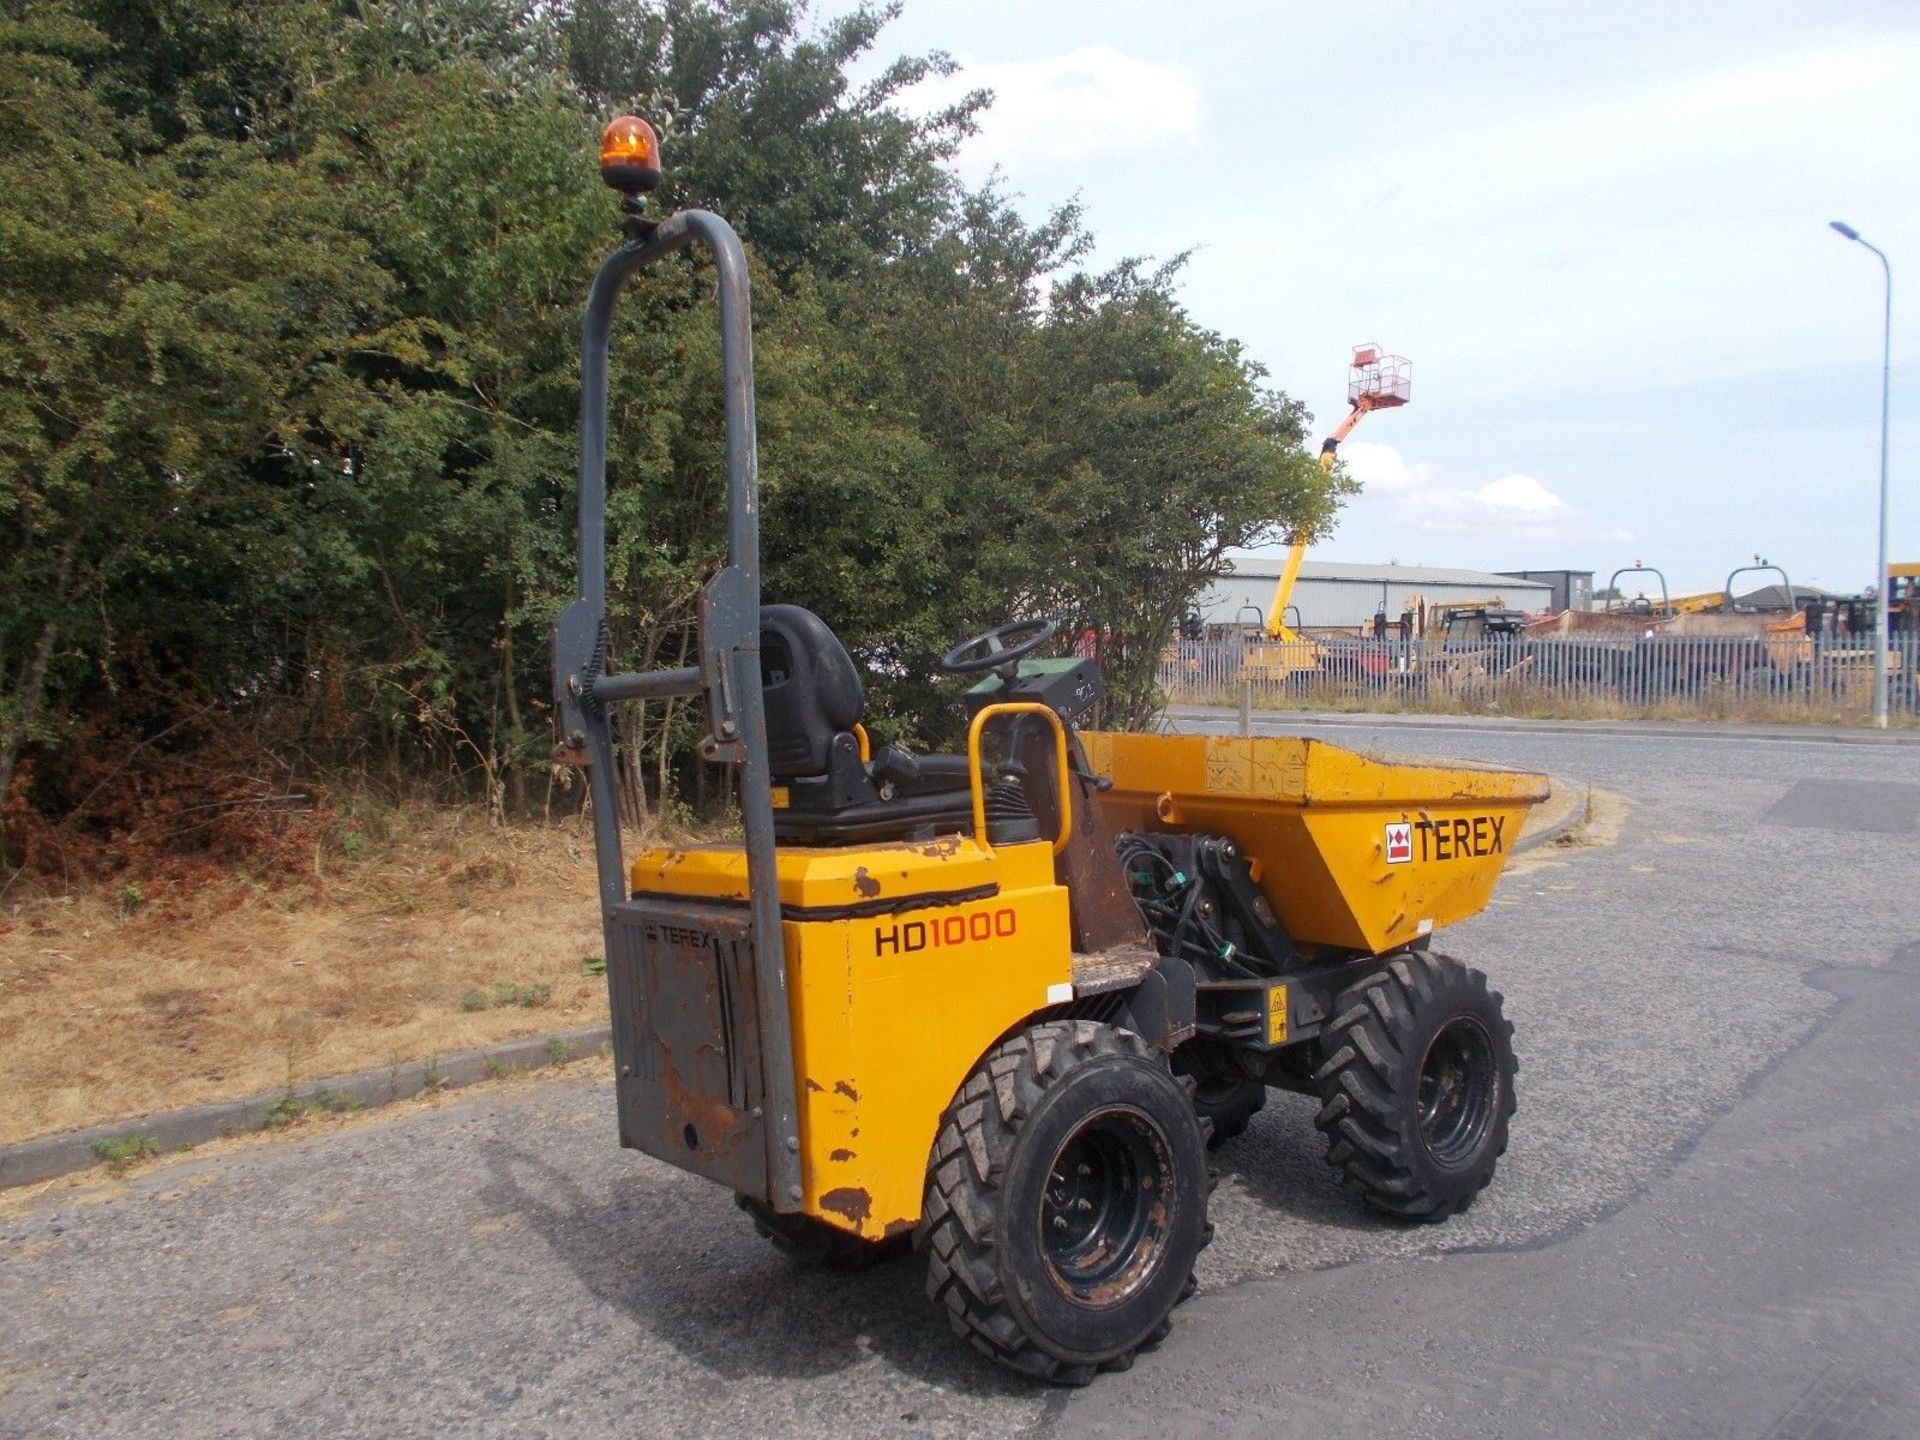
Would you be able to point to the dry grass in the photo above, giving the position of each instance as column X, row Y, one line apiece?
column 119, row 1005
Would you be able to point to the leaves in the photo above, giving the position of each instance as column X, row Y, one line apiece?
column 289, row 384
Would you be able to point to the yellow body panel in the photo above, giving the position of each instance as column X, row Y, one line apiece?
column 890, row 1011
column 1320, row 821
column 817, row 878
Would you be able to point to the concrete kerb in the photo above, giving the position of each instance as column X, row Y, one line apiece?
column 1564, row 809
column 51, row 1156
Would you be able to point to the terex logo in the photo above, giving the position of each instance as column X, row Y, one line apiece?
column 1462, row 838
column 1399, row 843
column 944, row 931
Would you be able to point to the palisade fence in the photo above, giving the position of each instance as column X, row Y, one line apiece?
column 1675, row 676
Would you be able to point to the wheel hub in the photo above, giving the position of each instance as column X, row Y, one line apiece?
column 1459, row 1091
column 1103, row 1215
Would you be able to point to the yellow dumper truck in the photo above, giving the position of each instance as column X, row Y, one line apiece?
column 996, row 1004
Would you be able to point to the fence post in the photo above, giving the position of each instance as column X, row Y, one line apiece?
column 1246, row 706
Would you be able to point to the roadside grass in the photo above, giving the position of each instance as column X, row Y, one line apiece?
column 527, row 997
column 121, row 1003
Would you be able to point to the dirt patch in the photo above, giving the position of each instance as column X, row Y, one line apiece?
column 106, row 1015
column 1606, row 814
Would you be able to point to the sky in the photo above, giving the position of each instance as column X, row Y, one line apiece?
column 1599, row 232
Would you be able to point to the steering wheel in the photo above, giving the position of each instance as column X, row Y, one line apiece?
column 999, row 648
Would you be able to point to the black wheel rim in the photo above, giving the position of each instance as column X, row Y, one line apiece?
column 1105, row 1212
column 1459, row 1090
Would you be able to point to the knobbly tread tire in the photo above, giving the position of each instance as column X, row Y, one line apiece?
column 968, row 1173
column 1369, row 1083
column 815, row 1243
column 1227, row 1117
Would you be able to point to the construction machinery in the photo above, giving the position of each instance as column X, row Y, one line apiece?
column 1903, row 598
column 1641, row 604
column 998, row 1001
column 1840, row 631
column 1734, row 605
column 1375, row 381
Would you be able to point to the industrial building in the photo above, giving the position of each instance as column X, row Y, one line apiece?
column 1330, row 594
column 1572, row 589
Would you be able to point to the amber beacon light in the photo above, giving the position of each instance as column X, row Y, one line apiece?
column 630, row 155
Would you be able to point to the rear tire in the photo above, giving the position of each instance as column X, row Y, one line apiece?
column 1227, row 1106
column 1066, row 1202
column 814, row 1242
column 1417, row 1087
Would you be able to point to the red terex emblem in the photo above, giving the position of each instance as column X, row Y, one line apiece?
column 1399, row 843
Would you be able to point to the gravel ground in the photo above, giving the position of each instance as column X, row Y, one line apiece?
column 496, row 1265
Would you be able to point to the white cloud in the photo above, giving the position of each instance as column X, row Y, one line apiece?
column 1522, row 493
column 1511, row 507
column 1089, row 103
column 1381, row 469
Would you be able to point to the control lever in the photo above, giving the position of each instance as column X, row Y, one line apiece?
column 1102, row 783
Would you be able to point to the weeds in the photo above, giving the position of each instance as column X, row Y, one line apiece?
column 507, row 996
column 291, row 1108
column 296, row 1039
column 117, row 1152
column 431, row 1078
column 593, row 964
column 559, row 1051
column 493, row 1068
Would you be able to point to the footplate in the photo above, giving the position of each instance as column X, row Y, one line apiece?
column 686, row 1038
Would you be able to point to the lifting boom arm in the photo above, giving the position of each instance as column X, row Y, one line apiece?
column 1277, row 626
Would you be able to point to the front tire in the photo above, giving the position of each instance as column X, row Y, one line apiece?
column 1417, row 1087
column 1066, row 1201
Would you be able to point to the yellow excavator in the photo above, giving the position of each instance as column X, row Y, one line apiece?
column 1375, row 381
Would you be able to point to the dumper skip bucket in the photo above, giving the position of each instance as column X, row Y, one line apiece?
column 1353, row 852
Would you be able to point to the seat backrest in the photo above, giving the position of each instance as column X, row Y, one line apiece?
column 813, row 690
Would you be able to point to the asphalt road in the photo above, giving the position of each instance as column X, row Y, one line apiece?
column 1707, row 1223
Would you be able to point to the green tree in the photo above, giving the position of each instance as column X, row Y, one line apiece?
column 289, row 304
column 169, row 333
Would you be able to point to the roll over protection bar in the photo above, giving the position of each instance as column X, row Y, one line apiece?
column 727, row 676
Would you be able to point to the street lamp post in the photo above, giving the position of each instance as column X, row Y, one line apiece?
column 1880, row 567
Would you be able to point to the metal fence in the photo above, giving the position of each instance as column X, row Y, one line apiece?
column 1712, row 676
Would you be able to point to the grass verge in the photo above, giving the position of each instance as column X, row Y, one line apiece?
column 109, row 1011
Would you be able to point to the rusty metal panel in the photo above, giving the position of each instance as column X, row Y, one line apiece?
column 686, row 1038
column 1105, row 916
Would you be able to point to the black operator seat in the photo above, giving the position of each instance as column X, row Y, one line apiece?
column 824, row 794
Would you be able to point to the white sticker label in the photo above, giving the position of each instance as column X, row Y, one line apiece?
column 1399, row 843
